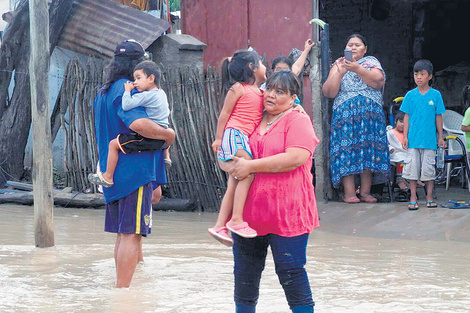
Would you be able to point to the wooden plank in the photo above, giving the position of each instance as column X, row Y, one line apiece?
column 90, row 200
column 22, row 185
column 174, row 204
column 76, row 200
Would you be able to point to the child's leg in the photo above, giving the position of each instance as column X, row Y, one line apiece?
column 429, row 190
column 413, row 185
column 236, row 224
column 241, row 192
column 166, row 152
column 401, row 182
column 226, row 206
column 113, row 157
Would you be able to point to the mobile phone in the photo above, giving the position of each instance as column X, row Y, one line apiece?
column 348, row 55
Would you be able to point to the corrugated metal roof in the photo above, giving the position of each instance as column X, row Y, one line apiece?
column 96, row 27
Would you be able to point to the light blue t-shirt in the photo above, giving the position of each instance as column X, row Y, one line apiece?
column 133, row 169
column 422, row 110
column 154, row 101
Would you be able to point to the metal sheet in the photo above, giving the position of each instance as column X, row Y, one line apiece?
column 96, row 27
column 271, row 27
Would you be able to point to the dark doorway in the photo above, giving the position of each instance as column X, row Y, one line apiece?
column 446, row 32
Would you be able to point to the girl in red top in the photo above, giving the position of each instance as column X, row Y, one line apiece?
column 241, row 113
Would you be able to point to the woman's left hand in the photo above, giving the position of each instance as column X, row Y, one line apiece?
column 240, row 168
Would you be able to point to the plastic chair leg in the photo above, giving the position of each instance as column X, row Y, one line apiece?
column 448, row 168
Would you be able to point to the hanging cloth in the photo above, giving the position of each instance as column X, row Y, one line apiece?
column 143, row 5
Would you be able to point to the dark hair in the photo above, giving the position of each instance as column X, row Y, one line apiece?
column 399, row 116
column 362, row 38
column 150, row 68
column 238, row 69
column 282, row 59
column 120, row 67
column 285, row 81
column 422, row 65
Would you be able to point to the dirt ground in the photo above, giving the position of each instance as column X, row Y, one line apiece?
column 395, row 221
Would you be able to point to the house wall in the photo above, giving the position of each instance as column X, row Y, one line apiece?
column 413, row 29
column 390, row 41
column 229, row 25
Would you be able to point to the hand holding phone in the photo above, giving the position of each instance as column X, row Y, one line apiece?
column 348, row 55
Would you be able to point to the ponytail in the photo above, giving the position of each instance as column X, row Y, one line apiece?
column 226, row 84
column 239, row 69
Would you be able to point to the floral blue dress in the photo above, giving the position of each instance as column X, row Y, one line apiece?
column 358, row 138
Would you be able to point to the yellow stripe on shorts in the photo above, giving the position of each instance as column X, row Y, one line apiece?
column 139, row 210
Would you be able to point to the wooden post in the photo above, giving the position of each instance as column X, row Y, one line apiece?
column 316, row 84
column 42, row 150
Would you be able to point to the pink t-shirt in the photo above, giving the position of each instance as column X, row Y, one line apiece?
column 247, row 112
column 283, row 203
column 400, row 135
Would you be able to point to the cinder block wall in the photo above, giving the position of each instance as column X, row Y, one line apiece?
column 390, row 41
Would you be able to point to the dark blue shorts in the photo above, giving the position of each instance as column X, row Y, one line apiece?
column 131, row 214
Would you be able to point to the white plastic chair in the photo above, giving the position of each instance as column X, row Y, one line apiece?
column 452, row 123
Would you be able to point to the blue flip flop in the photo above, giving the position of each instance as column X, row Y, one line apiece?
column 413, row 205
column 452, row 204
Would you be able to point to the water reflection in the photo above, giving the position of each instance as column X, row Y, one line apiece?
column 187, row 271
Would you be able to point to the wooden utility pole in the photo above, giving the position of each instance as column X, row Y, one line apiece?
column 41, row 128
column 317, row 108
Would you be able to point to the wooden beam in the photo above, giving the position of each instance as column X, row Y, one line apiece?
column 42, row 147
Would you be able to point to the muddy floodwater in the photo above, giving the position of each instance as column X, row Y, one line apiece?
column 187, row 271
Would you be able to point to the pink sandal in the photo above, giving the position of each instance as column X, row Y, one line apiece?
column 221, row 234
column 243, row 230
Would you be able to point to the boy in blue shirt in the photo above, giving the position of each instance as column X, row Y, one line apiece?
column 423, row 108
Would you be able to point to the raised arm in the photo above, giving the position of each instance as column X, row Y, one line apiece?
column 137, row 100
column 233, row 94
column 332, row 84
column 299, row 64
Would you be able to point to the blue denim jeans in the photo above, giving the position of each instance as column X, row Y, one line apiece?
column 289, row 254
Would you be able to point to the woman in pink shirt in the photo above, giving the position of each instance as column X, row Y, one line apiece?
column 281, row 203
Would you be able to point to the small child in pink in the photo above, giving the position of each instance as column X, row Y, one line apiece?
column 241, row 113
